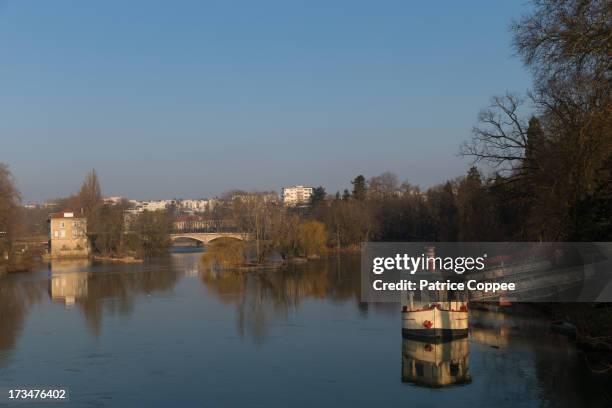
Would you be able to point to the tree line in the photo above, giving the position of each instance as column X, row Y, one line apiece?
column 110, row 231
column 547, row 155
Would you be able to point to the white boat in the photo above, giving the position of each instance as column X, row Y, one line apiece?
column 436, row 320
column 437, row 314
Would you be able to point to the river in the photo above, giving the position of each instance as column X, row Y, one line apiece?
column 168, row 332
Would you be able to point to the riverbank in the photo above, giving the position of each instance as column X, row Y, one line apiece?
column 121, row 259
column 22, row 262
column 271, row 265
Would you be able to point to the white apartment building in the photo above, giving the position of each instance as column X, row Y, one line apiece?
column 112, row 200
column 296, row 195
column 267, row 197
column 140, row 206
column 200, row 205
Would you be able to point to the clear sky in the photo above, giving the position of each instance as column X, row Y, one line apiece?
column 192, row 98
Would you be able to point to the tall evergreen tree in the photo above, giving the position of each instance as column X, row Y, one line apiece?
column 359, row 188
column 318, row 196
column 534, row 146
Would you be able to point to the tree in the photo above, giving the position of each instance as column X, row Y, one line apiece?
column 90, row 194
column 349, row 222
column 443, row 209
column 567, row 39
column 251, row 213
column 9, row 210
column 106, row 228
column 592, row 215
column 510, row 208
column 218, row 213
column 359, row 188
column 534, row 148
column 284, row 235
column 312, row 238
column 556, row 160
column 472, row 207
column 318, row 196
column 500, row 138
column 224, row 253
column 384, row 185
column 149, row 233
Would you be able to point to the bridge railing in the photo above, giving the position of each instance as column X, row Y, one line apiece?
column 188, row 230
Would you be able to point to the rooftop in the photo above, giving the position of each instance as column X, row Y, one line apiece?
column 66, row 214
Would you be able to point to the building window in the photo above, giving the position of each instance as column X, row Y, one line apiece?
column 62, row 225
column 56, row 234
column 63, row 233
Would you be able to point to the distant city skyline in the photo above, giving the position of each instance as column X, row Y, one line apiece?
column 193, row 99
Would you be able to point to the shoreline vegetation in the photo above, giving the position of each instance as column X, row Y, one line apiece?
column 231, row 254
column 118, row 259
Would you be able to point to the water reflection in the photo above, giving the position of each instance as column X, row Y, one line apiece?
column 501, row 330
column 436, row 364
column 108, row 289
column 520, row 358
column 68, row 287
column 182, row 330
column 188, row 263
column 260, row 296
column 68, row 281
column 16, row 300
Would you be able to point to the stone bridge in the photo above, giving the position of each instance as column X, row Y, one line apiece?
column 206, row 237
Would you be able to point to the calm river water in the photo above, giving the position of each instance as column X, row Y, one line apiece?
column 170, row 333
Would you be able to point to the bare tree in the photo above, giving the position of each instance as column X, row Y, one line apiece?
column 9, row 209
column 90, row 193
column 564, row 39
column 384, row 185
column 500, row 139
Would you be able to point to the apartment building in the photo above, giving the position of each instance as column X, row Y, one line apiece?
column 196, row 206
column 268, row 197
column 296, row 195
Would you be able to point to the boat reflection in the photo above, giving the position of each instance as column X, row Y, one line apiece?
column 436, row 364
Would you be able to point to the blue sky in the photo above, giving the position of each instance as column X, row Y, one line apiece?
column 189, row 99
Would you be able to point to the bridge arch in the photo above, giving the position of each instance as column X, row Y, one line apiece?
column 207, row 237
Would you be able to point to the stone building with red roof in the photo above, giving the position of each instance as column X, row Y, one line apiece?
column 68, row 235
